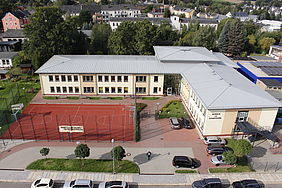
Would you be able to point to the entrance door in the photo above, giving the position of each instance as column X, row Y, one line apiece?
column 242, row 116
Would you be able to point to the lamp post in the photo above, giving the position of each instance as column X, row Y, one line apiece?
column 113, row 155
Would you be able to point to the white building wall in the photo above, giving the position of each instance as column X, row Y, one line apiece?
column 5, row 63
column 267, row 118
column 214, row 122
column 158, row 85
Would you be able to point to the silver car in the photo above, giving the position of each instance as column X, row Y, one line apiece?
column 218, row 160
column 174, row 123
column 214, row 140
column 80, row 183
column 114, row 184
column 43, row 183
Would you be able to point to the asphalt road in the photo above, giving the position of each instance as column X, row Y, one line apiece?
column 60, row 185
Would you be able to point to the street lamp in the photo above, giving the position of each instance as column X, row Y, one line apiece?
column 113, row 153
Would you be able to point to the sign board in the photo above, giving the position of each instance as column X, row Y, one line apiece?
column 216, row 115
column 71, row 129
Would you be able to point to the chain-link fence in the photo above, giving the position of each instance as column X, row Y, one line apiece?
column 266, row 166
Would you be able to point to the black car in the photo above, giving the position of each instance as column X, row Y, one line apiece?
column 246, row 184
column 186, row 123
column 184, row 161
column 207, row 183
column 216, row 149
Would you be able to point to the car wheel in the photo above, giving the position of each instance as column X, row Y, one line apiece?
column 217, row 165
column 177, row 166
column 213, row 154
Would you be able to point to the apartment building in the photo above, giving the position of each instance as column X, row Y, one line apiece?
column 15, row 20
column 215, row 94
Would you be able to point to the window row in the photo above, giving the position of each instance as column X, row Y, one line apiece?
column 112, row 78
column 198, row 103
column 63, row 78
column 64, row 89
column 113, row 89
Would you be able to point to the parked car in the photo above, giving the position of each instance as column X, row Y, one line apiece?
column 112, row 184
column 184, row 161
column 207, row 183
column 186, row 123
column 218, row 160
column 216, row 149
column 246, row 184
column 43, row 183
column 174, row 123
column 80, row 183
column 214, row 140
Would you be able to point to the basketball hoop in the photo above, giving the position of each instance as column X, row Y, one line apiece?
column 16, row 108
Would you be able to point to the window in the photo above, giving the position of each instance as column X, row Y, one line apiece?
column 140, row 78
column 125, row 90
column 51, row 78
column 119, row 79
column 100, row 89
column 69, row 79
column 58, row 90
column 75, row 78
column 125, row 78
column 119, row 90
column 64, row 89
column 100, row 78
column 57, row 78
column 76, row 89
column 88, row 89
column 63, row 78
column 52, row 89
column 113, row 78
column 70, row 90
column 107, row 90
column 106, row 78
column 155, row 90
column 113, row 89
column 87, row 78
column 156, row 78
column 140, row 90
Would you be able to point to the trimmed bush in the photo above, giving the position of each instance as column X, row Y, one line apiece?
column 50, row 97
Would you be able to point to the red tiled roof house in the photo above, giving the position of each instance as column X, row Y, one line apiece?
column 15, row 20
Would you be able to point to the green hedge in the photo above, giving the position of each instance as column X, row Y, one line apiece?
column 150, row 98
column 73, row 98
column 173, row 108
column 50, row 97
column 186, row 171
column 115, row 98
column 139, row 108
column 94, row 98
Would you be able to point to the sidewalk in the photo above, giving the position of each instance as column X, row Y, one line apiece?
column 179, row 179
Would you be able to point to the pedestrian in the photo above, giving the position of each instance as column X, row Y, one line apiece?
column 149, row 155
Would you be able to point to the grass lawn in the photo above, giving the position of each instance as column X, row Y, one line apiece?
column 173, row 109
column 186, row 171
column 90, row 165
column 150, row 98
column 94, row 98
column 50, row 97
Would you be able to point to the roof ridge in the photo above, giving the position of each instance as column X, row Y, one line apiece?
column 67, row 59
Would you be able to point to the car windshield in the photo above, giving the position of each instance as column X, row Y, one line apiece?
column 219, row 158
column 113, row 183
column 42, row 185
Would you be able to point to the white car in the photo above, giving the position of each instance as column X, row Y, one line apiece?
column 114, row 184
column 214, row 140
column 80, row 183
column 218, row 160
column 43, row 183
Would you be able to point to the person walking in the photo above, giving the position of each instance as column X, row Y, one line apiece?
column 149, row 155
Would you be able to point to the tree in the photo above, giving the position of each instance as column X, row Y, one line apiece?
column 205, row 37
column 265, row 43
column 167, row 13
column 165, row 35
column 85, row 17
column 44, row 151
column 118, row 153
column 99, row 38
column 81, row 151
column 242, row 148
column 251, row 44
column 49, row 34
column 223, row 41
column 229, row 157
column 236, row 39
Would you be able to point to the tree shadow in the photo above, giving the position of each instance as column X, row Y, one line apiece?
column 143, row 158
column 106, row 156
column 258, row 151
column 71, row 156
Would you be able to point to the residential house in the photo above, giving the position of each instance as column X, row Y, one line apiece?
column 13, row 35
column 155, row 14
column 178, row 22
column 242, row 16
column 119, row 11
column 6, row 59
column 270, row 25
column 275, row 51
column 219, row 99
column 15, row 20
column 177, row 10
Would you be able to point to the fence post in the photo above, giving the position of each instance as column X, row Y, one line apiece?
column 45, row 127
column 277, row 167
column 265, row 166
column 33, row 127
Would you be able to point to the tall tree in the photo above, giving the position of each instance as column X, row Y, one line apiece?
column 223, row 41
column 265, row 43
column 85, row 17
column 205, row 37
column 236, row 39
column 99, row 38
column 166, row 35
column 48, row 35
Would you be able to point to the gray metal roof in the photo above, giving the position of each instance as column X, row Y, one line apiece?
column 262, row 58
column 119, row 7
column 276, row 94
column 217, row 84
column 184, row 54
column 13, row 33
column 226, row 60
column 7, row 55
column 153, row 20
column 199, row 20
column 3, row 71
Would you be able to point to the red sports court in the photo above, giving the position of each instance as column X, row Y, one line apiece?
column 69, row 122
